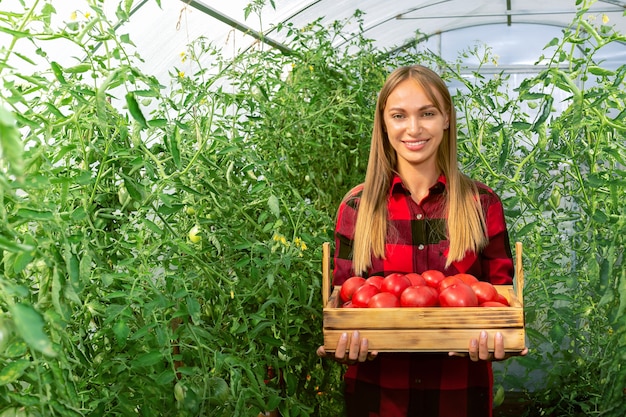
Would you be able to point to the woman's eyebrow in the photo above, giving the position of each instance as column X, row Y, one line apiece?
column 426, row 107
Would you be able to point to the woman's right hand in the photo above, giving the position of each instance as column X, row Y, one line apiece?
column 356, row 351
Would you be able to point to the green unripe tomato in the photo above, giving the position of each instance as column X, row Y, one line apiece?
column 194, row 234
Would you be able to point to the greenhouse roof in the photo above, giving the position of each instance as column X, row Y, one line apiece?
column 517, row 31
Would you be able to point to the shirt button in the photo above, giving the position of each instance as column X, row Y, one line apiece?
column 419, row 216
column 420, row 247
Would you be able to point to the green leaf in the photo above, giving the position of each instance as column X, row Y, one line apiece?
column 22, row 260
column 13, row 246
column 15, row 33
column 29, row 325
column 121, row 330
column 10, row 143
column 553, row 42
column 545, row 112
column 135, row 111
column 78, row 69
column 153, row 226
column 148, row 359
column 274, row 206
column 595, row 70
column 39, row 215
column 157, row 122
column 25, row 58
column 174, row 141
column 521, row 125
column 12, row 371
column 134, row 189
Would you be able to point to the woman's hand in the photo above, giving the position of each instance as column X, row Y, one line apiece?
column 356, row 351
column 479, row 349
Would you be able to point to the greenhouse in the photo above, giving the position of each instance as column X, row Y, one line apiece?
column 173, row 174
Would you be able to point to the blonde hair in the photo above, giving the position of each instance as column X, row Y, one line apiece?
column 466, row 226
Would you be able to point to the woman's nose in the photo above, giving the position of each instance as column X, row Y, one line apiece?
column 414, row 126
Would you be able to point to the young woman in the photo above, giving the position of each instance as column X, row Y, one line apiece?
column 416, row 211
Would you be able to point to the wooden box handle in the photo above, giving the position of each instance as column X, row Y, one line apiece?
column 325, row 273
column 519, row 273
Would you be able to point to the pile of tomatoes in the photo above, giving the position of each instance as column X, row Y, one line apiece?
column 429, row 289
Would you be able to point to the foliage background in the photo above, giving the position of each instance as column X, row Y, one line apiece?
column 108, row 305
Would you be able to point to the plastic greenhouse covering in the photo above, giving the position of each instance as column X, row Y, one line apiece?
column 517, row 31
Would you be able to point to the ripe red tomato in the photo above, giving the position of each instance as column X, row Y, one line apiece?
column 469, row 279
column 484, row 291
column 459, row 295
column 383, row 300
column 502, row 299
column 395, row 283
column 416, row 279
column 433, row 277
column 492, row 304
column 375, row 280
column 362, row 296
column 349, row 287
column 347, row 304
column 419, row 296
column 448, row 282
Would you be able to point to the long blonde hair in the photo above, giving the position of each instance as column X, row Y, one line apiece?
column 465, row 218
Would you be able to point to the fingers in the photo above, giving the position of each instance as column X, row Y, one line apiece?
column 473, row 350
column 483, row 346
column 355, row 347
column 498, row 349
column 342, row 345
column 479, row 348
column 350, row 350
column 321, row 352
column 363, row 350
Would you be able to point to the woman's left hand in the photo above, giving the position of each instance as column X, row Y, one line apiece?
column 479, row 349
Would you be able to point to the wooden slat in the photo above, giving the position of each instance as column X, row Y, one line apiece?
column 423, row 318
column 441, row 340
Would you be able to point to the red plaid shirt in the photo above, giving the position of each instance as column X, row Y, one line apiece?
column 422, row 384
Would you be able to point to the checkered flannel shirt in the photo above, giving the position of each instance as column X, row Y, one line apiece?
column 422, row 384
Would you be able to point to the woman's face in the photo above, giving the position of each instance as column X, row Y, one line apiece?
column 414, row 126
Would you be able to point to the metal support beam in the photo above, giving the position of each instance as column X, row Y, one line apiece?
column 199, row 5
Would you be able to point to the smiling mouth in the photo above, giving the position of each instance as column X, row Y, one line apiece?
column 415, row 144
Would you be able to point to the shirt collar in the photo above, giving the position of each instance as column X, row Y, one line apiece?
column 398, row 187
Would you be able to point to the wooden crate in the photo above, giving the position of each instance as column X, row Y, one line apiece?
column 428, row 329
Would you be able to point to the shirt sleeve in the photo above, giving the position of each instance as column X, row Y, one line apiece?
column 496, row 257
column 344, row 239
